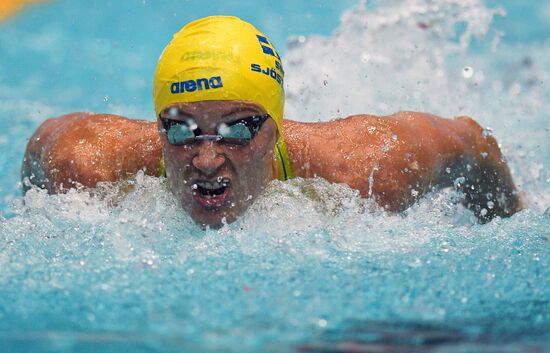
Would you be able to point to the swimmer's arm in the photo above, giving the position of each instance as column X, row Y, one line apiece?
column 82, row 149
column 480, row 172
column 397, row 159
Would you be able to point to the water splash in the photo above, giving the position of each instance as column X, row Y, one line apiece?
column 310, row 262
column 418, row 55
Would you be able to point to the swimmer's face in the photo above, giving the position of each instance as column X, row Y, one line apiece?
column 216, row 180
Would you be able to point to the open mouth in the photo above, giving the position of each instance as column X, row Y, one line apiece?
column 211, row 193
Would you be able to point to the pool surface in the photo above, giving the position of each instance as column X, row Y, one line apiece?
column 311, row 267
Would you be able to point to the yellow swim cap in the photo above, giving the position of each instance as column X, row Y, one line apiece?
column 223, row 58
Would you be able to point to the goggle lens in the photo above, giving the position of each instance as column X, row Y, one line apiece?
column 180, row 134
column 239, row 132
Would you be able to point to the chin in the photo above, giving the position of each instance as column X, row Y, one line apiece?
column 213, row 219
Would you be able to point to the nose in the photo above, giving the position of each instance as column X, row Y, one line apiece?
column 208, row 160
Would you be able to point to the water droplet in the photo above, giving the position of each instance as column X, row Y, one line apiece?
column 490, row 205
column 448, row 170
column 484, row 154
column 194, row 186
column 322, row 323
column 414, row 192
column 394, row 137
column 173, row 111
column 459, row 181
column 106, row 98
column 487, row 132
column 467, row 72
column 325, row 82
column 483, row 212
column 223, row 130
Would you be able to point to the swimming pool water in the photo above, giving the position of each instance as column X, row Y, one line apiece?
column 311, row 267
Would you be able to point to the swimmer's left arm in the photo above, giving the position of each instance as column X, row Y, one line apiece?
column 396, row 159
column 482, row 174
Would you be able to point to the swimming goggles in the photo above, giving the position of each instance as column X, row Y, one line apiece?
column 187, row 132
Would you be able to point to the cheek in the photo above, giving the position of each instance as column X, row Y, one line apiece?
column 176, row 162
column 257, row 163
column 176, row 157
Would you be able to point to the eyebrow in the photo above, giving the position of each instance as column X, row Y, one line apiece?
column 227, row 117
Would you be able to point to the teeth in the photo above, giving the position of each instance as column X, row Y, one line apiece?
column 211, row 185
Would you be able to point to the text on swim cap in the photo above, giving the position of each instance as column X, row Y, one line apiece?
column 198, row 84
column 268, row 71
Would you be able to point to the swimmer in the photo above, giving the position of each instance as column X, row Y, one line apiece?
column 220, row 138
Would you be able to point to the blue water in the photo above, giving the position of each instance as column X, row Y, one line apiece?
column 311, row 267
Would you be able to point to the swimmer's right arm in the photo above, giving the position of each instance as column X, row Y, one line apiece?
column 82, row 149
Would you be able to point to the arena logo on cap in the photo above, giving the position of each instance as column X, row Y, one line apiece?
column 198, row 84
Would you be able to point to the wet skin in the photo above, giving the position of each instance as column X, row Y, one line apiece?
column 394, row 159
column 246, row 169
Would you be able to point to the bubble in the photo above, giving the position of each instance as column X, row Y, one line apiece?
column 487, row 132
column 490, row 205
column 105, row 98
column 467, row 72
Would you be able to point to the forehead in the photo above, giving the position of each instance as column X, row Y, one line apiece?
column 208, row 110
